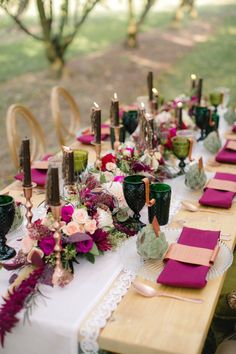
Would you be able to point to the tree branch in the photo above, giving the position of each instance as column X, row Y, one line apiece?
column 20, row 24
column 146, row 9
column 64, row 16
column 46, row 23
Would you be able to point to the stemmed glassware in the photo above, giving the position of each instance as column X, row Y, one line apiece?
column 202, row 116
column 134, row 193
column 216, row 98
column 182, row 148
column 80, row 162
column 7, row 213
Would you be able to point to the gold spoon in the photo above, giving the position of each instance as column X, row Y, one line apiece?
column 191, row 207
column 149, row 291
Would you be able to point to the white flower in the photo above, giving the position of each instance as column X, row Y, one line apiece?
column 110, row 166
column 109, row 176
column 104, row 219
column 90, row 226
column 163, row 117
column 80, row 216
column 116, row 189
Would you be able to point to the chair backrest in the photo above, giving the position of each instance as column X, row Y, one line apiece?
column 37, row 141
column 65, row 130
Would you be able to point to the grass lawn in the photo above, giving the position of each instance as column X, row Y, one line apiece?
column 213, row 60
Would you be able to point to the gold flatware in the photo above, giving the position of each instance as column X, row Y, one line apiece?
column 192, row 207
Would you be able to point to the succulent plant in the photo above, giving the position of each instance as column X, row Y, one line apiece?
column 150, row 246
column 195, row 178
column 212, row 142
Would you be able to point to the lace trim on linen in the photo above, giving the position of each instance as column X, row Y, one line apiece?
column 91, row 328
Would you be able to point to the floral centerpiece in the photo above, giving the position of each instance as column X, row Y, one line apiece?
column 94, row 222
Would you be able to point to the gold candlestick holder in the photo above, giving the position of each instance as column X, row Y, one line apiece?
column 117, row 137
column 60, row 276
column 28, row 191
column 98, row 162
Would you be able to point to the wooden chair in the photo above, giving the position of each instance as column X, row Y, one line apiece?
column 65, row 131
column 37, row 141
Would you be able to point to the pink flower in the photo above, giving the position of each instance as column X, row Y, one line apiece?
column 90, row 226
column 119, row 179
column 27, row 244
column 80, row 216
column 110, row 166
column 107, row 158
column 66, row 213
column 72, row 227
column 47, row 245
column 84, row 246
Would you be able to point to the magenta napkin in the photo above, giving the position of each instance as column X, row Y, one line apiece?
column 218, row 198
column 234, row 128
column 187, row 275
column 226, row 155
column 89, row 138
column 37, row 176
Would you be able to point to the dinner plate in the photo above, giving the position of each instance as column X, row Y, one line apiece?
column 150, row 269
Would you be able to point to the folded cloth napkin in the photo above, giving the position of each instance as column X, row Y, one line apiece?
column 38, row 176
column 88, row 137
column 234, row 128
column 187, row 275
column 226, row 155
column 219, row 198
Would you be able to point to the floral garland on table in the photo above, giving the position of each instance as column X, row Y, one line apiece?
column 92, row 223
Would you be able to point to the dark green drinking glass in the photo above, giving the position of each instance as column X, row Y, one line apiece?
column 7, row 213
column 161, row 209
column 134, row 193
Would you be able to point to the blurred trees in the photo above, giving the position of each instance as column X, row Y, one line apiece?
column 135, row 21
column 186, row 5
column 59, row 23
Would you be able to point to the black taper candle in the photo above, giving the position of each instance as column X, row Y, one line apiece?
column 97, row 125
column 180, row 115
column 53, row 194
column 26, row 163
column 150, row 85
column 199, row 91
column 71, row 171
column 115, row 111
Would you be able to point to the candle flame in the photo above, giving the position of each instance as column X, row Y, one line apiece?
column 179, row 104
column 96, row 105
column 193, row 76
column 142, row 105
column 115, row 96
column 154, row 90
column 66, row 148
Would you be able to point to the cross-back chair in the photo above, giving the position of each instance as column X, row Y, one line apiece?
column 65, row 130
column 37, row 140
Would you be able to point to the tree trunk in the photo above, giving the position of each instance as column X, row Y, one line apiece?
column 55, row 54
column 131, row 37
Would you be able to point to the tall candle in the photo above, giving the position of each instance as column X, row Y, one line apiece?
column 115, row 110
column 199, row 91
column 180, row 114
column 26, row 163
column 193, row 81
column 53, row 195
column 68, row 165
column 96, row 123
column 150, row 85
column 155, row 101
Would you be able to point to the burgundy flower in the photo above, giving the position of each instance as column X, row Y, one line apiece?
column 107, row 158
column 100, row 237
column 138, row 166
column 66, row 213
column 38, row 231
column 84, row 246
column 47, row 244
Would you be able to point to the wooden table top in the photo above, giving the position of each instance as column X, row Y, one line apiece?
column 161, row 325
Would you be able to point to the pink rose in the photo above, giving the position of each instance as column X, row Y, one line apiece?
column 119, row 179
column 90, row 226
column 80, row 216
column 71, row 228
column 66, row 213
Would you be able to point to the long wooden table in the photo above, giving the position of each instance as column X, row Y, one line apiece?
column 162, row 325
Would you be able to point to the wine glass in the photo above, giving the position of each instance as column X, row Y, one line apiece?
column 80, row 161
column 7, row 213
column 216, row 98
column 202, row 119
column 182, row 149
column 134, row 193
column 130, row 121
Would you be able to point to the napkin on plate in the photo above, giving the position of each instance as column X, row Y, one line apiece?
column 219, row 198
column 87, row 137
column 38, row 176
column 226, row 155
column 234, row 128
column 180, row 274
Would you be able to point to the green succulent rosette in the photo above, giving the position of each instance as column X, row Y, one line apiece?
column 149, row 246
column 195, row 178
column 212, row 142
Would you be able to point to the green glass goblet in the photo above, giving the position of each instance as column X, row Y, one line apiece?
column 80, row 161
column 134, row 193
column 7, row 213
column 216, row 98
column 182, row 149
column 161, row 192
